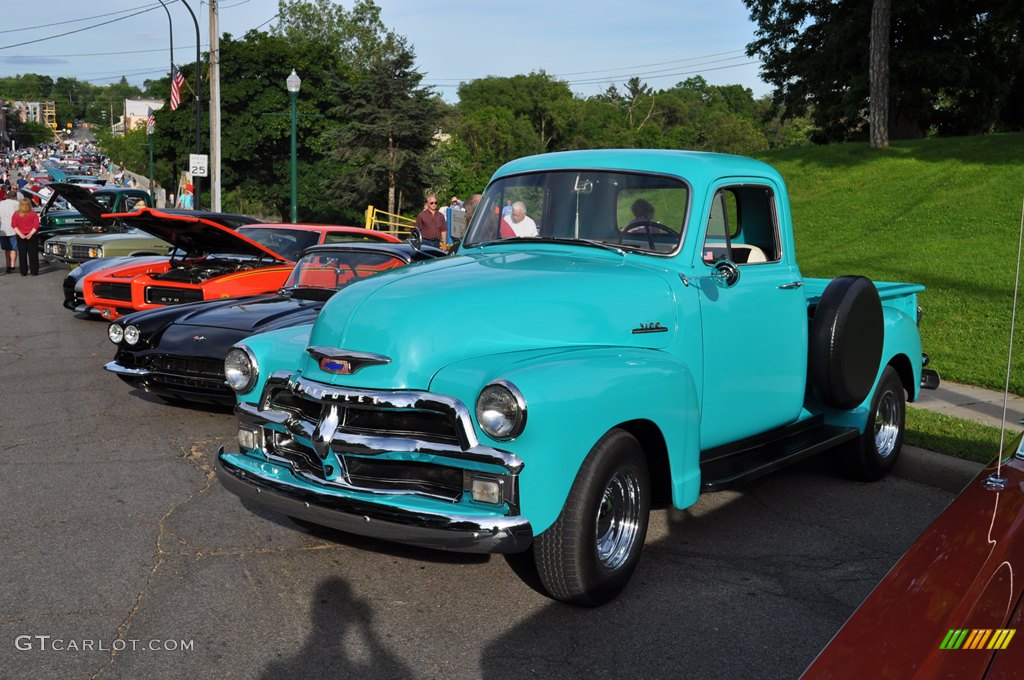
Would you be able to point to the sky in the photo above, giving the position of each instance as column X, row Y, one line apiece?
column 588, row 44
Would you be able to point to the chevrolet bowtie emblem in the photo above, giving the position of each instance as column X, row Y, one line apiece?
column 344, row 362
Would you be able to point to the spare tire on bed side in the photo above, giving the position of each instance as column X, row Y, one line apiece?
column 845, row 344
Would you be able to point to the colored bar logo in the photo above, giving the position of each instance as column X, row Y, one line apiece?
column 977, row 638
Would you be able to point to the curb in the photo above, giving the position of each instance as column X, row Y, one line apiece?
column 935, row 469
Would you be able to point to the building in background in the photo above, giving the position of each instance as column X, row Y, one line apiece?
column 136, row 111
column 29, row 112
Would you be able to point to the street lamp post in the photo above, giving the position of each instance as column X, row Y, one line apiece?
column 294, row 82
column 197, row 189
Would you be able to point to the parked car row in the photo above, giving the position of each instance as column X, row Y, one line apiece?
column 222, row 278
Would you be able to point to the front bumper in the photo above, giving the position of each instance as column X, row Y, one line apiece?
column 252, row 480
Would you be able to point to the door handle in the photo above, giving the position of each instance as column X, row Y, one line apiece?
column 791, row 285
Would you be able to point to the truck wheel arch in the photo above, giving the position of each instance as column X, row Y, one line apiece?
column 846, row 339
column 655, row 450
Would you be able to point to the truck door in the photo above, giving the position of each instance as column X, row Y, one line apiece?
column 755, row 331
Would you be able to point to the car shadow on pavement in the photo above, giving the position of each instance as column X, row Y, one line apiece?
column 181, row 403
column 714, row 584
column 342, row 641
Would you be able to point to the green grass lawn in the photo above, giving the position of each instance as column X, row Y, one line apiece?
column 942, row 212
column 954, row 436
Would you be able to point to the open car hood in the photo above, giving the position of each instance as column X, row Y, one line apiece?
column 82, row 200
column 196, row 236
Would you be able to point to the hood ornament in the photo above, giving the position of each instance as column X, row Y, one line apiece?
column 344, row 362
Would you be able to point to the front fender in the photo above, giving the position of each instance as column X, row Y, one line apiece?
column 573, row 397
column 280, row 350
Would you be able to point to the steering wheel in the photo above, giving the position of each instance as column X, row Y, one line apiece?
column 648, row 227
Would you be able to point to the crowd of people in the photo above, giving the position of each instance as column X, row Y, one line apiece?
column 21, row 194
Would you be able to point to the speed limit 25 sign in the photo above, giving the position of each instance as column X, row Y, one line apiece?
column 197, row 164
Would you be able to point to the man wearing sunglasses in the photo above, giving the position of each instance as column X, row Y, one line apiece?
column 431, row 222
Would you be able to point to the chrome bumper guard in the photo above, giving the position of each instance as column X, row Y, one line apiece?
column 459, row 533
column 929, row 379
column 118, row 369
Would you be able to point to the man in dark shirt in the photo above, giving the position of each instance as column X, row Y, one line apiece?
column 431, row 222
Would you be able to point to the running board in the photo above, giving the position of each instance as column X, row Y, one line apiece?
column 733, row 464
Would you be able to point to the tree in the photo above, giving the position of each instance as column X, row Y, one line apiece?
column 537, row 98
column 878, row 117
column 953, row 65
column 389, row 125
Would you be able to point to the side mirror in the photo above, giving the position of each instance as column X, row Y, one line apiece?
column 416, row 239
column 727, row 274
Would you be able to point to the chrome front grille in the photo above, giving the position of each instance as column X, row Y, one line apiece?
column 79, row 252
column 390, row 442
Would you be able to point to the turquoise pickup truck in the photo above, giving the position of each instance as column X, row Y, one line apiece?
column 633, row 333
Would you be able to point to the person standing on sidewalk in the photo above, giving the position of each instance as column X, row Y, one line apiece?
column 8, row 240
column 26, row 228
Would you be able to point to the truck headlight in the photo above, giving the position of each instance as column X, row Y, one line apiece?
column 116, row 333
column 501, row 410
column 240, row 369
column 96, row 251
column 132, row 334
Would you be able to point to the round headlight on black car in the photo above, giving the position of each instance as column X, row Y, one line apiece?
column 240, row 369
column 116, row 333
column 132, row 335
column 501, row 410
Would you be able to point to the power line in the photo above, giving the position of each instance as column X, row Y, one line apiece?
column 661, row 73
column 77, row 30
column 51, row 24
column 98, row 54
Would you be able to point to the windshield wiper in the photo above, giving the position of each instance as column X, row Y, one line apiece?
column 566, row 241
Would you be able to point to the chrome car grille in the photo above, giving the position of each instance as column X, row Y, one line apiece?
column 79, row 252
column 390, row 442
column 113, row 291
column 162, row 295
column 411, row 423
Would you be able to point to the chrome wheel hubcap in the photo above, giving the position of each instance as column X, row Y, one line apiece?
column 888, row 424
column 618, row 519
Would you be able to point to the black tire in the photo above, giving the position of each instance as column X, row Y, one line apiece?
column 872, row 455
column 845, row 344
column 588, row 555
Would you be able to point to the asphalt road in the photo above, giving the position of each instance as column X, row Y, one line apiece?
column 121, row 557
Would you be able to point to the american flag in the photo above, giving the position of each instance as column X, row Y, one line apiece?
column 177, row 80
column 150, row 122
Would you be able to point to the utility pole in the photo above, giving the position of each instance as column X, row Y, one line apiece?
column 214, row 107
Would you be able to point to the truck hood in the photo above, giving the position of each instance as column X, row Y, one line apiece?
column 427, row 316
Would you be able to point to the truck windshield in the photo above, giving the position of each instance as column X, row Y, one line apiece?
column 629, row 210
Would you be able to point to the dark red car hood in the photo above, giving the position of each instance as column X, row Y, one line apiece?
column 965, row 573
column 195, row 235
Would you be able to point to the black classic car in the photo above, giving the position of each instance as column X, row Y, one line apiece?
column 177, row 352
